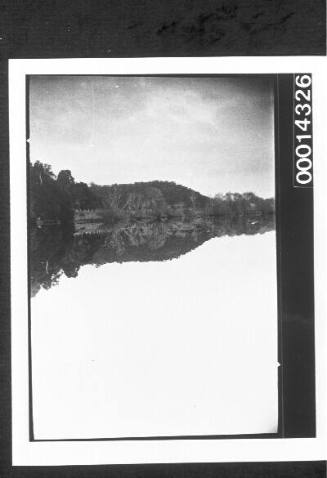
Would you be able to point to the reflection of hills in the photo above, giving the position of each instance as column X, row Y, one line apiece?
column 54, row 252
column 158, row 241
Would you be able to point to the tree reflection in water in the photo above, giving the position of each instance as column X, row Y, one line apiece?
column 56, row 250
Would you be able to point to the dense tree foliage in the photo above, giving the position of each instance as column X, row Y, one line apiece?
column 163, row 198
column 47, row 200
column 79, row 224
column 55, row 198
column 240, row 204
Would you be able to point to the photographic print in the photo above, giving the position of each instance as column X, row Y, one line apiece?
column 152, row 256
column 162, row 277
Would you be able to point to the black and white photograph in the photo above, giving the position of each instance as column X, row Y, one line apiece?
column 152, row 256
column 163, row 239
column 163, row 300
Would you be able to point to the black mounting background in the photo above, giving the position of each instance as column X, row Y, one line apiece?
column 130, row 28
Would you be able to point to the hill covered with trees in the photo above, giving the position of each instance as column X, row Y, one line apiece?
column 74, row 224
column 62, row 200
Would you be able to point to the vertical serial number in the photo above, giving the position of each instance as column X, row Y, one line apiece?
column 303, row 175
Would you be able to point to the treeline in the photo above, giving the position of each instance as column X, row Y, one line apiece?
column 54, row 198
column 163, row 198
column 234, row 204
column 159, row 193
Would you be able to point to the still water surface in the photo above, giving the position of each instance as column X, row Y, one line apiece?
column 186, row 346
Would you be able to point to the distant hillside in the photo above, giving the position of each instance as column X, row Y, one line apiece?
column 74, row 224
column 61, row 200
column 154, row 198
column 158, row 199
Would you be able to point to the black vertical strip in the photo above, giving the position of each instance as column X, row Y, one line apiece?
column 5, row 335
column 295, row 231
column 302, row 131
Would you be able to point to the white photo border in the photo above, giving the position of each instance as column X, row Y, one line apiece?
column 159, row 451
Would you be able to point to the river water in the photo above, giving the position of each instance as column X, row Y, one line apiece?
column 186, row 346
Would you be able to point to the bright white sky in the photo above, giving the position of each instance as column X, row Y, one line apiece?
column 211, row 134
